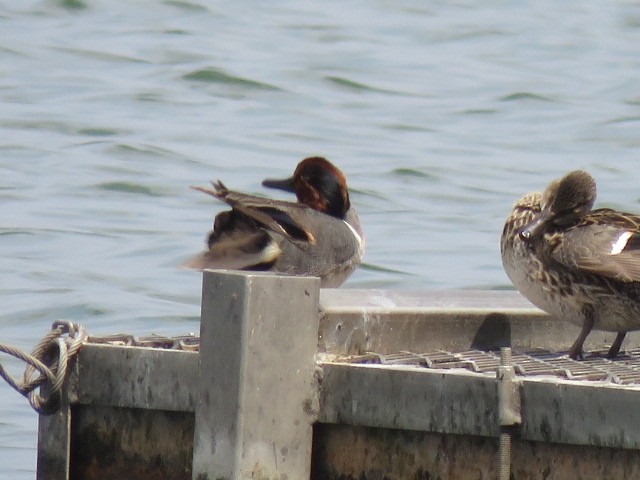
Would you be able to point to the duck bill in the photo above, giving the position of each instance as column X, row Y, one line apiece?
column 285, row 184
column 534, row 229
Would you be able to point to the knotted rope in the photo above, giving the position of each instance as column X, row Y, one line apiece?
column 50, row 358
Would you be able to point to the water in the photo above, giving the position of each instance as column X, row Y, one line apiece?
column 440, row 114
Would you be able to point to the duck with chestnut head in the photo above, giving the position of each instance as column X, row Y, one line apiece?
column 319, row 235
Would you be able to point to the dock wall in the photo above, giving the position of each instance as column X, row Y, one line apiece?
column 275, row 393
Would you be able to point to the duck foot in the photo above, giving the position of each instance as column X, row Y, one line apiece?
column 615, row 347
column 575, row 352
column 575, row 355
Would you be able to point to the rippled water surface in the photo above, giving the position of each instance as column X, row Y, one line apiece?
column 439, row 113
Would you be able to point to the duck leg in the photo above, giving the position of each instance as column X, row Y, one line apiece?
column 615, row 347
column 576, row 349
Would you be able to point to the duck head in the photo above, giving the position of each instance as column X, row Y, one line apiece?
column 564, row 202
column 318, row 184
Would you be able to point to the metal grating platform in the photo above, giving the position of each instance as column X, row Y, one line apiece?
column 623, row 370
column 190, row 343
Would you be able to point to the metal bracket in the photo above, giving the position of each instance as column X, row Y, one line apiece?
column 509, row 402
column 509, row 411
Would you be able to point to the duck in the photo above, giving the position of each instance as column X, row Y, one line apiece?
column 573, row 262
column 318, row 235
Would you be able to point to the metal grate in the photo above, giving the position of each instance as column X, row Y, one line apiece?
column 184, row 342
column 623, row 370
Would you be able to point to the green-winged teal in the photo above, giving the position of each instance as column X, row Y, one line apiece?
column 318, row 235
column 575, row 263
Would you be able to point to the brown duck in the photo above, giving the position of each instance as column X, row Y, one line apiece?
column 577, row 264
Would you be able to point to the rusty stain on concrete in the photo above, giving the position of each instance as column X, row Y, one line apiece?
column 109, row 443
column 363, row 453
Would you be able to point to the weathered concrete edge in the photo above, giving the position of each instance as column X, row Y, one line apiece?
column 397, row 300
column 412, row 398
column 54, row 438
column 387, row 321
column 583, row 413
column 408, row 398
column 453, row 402
column 135, row 377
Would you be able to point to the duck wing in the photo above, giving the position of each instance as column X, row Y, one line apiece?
column 278, row 216
column 291, row 238
column 604, row 243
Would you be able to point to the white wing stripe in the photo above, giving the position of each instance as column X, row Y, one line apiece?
column 620, row 243
column 355, row 234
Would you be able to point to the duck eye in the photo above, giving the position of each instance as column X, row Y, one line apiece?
column 525, row 235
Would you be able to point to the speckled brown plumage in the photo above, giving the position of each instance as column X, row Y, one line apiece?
column 578, row 264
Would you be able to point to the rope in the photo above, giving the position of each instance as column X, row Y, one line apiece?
column 46, row 365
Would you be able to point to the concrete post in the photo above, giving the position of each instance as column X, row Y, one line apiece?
column 257, row 395
column 54, row 439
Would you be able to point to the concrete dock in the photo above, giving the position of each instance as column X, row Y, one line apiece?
column 293, row 382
